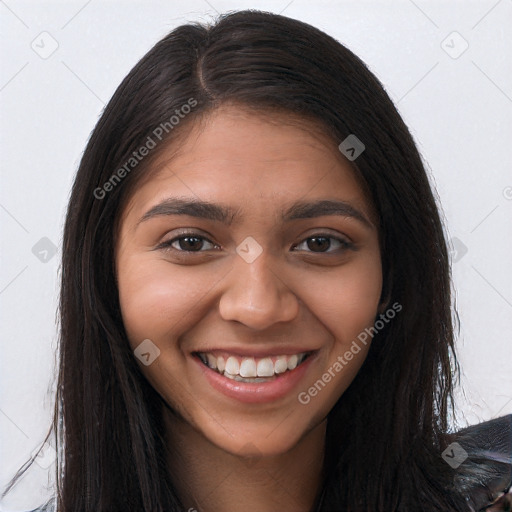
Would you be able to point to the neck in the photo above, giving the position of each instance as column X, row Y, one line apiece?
column 209, row 479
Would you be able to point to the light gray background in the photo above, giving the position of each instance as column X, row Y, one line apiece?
column 457, row 105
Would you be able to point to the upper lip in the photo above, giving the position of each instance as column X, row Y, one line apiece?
column 256, row 351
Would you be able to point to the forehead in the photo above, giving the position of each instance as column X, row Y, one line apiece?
column 243, row 158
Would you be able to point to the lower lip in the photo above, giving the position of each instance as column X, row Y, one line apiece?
column 256, row 392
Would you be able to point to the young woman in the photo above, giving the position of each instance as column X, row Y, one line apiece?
column 255, row 307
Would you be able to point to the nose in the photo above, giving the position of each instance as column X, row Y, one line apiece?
column 256, row 296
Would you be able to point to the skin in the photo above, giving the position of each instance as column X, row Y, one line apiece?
column 225, row 454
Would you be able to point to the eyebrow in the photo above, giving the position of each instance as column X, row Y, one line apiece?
column 226, row 215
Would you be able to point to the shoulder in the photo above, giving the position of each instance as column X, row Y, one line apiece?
column 481, row 456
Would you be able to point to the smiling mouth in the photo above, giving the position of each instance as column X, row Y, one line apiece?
column 252, row 369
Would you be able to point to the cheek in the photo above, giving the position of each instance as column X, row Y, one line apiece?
column 152, row 299
column 346, row 304
column 346, row 308
column 358, row 297
column 346, row 301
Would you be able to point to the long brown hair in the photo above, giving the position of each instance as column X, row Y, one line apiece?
column 386, row 433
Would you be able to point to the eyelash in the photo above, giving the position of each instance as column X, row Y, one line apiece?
column 167, row 246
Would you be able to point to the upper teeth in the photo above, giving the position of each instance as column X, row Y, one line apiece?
column 251, row 366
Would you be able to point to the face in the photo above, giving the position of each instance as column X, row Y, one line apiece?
column 248, row 266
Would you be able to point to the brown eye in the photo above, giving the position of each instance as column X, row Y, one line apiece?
column 323, row 244
column 188, row 243
column 319, row 244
